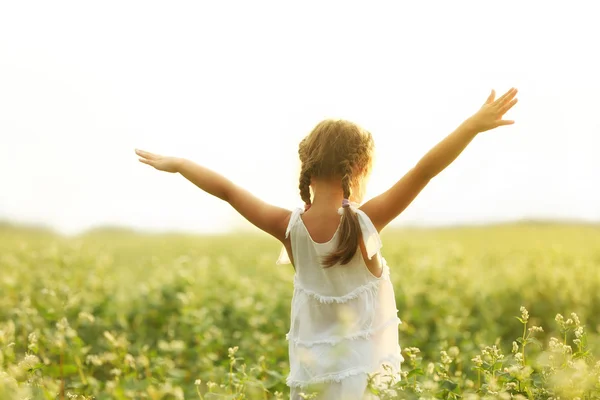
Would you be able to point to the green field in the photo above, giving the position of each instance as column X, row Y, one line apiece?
column 118, row 315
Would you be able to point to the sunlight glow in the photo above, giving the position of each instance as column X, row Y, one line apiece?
column 83, row 84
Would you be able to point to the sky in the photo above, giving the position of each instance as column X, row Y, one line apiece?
column 235, row 86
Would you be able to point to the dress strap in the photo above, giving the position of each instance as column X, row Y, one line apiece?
column 371, row 237
column 283, row 255
column 293, row 219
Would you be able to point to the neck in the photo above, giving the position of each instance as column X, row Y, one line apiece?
column 327, row 194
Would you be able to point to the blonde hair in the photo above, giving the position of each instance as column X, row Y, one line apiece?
column 337, row 149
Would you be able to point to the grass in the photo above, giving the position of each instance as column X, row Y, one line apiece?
column 115, row 314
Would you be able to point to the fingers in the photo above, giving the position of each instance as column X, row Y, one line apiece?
column 505, row 97
column 505, row 122
column 490, row 98
column 508, row 106
column 145, row 161
column 146, row 154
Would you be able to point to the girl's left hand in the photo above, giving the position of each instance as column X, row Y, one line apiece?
column 161, row 163
column 491, row 113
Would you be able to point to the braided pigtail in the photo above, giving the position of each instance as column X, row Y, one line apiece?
column 349, row 226
column 305, row 185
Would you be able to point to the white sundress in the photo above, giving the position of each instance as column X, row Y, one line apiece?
column 344, row 321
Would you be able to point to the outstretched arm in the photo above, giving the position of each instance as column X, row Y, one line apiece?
column 267, row 217
column 387, row 206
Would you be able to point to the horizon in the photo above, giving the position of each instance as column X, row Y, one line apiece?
column 238, row 97
column 250, row 229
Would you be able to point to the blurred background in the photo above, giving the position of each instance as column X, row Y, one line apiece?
column 98, row 311
column 235, row 86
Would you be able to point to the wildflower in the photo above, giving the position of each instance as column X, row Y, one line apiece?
column 94, row 360
column 511, row 386
column 430, row 368
column 575, row 318
column 519, row 357
column 109, row 336
column 454, row 351
column 29, row 361
column 515, row 347
column 197, row 382
column 446, row 359
column 579, row 332
column 524, row 314
column 63, row 324
column 558, row 318
column 569, row 322
column 412, row 352
column 232, row 350
column 33, row 340
column 85, row 316
column 477, row 360
column 129, row 360
column 567, row 349
column 554, row 344
column 534, row 329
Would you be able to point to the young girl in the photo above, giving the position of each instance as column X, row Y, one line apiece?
column 344, row 322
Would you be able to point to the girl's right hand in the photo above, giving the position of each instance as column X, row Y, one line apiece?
column 491, row 113
column 161, row 163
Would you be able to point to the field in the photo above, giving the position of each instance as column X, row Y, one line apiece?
column 114, row 314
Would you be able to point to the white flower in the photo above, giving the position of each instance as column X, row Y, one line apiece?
column 454, row 351
column 575, row 318
column 558, row 318
column 63, row 324
column 524, row 314
column 32, row 337
column 430, row 368
column 232, row 350
column 29, row 361
column 445, row 357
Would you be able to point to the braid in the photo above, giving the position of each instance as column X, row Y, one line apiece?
column 349, row 225
column 305, row 184
column 347, row 179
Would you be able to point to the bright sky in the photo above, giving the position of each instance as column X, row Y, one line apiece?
column 236, row 85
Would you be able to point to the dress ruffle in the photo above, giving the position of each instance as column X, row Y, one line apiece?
column 368, row 287
column 392, row 359
column 333, row 340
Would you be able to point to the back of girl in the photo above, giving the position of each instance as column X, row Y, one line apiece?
column 344, row 322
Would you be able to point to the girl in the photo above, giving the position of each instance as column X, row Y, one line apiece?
column 344, row 322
